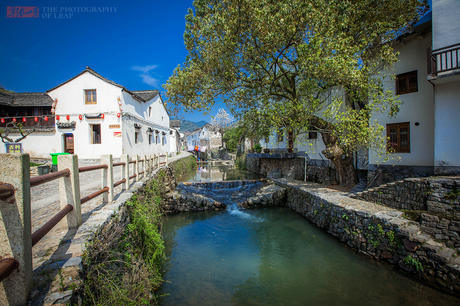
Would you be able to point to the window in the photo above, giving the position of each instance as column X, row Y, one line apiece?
column 398, row 135
column 312, row 135
column 157, row 139
column 95, row 133
column 150, row 111
column 280, row 135
column 136, row 136
column 406, row 83
column 90, row 96
column 150, row 138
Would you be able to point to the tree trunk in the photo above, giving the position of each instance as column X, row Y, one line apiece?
column 343, row 162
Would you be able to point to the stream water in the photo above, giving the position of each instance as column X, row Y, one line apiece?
column 273, row 256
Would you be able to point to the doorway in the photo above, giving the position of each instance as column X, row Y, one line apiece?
column 69, row 143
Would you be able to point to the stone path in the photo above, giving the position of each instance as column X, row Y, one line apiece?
column 57, row 256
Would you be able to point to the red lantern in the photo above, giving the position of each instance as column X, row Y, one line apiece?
column 14, row 120
column 46, row 118
column 24, row 119
column 36, row 119
column 80, row 117
column 57, row 117
column 119, row 115
column 102, row 116
column 67, row 117
column 3, row 120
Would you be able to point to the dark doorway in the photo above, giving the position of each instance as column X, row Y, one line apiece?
column 68, row 143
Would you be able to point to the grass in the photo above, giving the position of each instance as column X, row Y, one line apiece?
column 123, row 264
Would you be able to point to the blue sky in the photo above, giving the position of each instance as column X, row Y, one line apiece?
column 135, row 43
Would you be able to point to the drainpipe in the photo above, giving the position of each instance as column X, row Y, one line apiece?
column 305, row 168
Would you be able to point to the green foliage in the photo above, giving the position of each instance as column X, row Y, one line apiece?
column 240, row 162
column 232, row 138
column 257, row 148
column 413, row 262
column 288, row 63
column 184, row 167
column 123, row 264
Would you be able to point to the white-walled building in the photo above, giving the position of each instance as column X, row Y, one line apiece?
column 205, row 138
column 96, row 116
column 424, row 134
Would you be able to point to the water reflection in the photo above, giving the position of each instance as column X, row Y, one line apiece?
column 208, row 173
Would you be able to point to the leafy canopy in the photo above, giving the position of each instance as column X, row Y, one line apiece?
column 276, row 61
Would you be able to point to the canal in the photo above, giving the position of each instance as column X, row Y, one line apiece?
column 272, row 256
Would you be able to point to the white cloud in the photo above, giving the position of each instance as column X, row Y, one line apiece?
column 149, row 80
column 146, row 74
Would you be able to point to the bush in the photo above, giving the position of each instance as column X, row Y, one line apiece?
column 123, row 264
column 257, row 148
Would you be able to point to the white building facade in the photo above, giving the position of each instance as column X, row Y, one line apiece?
column 95, row 116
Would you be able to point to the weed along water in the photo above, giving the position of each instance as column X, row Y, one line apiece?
column 272, row 256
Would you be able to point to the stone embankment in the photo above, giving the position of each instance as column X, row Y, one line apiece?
column 267, row 196
column 433, row 202
column 378, row 231
column 183, row 202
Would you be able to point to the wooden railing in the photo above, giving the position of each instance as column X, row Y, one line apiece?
column 444, row 59
column 15, row 206
column 39, row 122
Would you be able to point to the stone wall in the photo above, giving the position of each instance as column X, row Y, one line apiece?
column 267, row 196
column 434, row 200
column 288, row 165
column 377, row 231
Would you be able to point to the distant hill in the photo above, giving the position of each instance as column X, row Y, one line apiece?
column 188, row 126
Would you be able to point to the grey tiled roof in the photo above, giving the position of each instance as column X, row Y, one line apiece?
column 25, row 99
column 140, row 95
column 174, row 123
column 146, row 94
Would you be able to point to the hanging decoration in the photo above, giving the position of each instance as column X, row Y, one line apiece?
column 14, row 120
column 36, row 119
column 24, row 119
column 67, row 117
column 46, row 118
column 80, row 117
column 3, row 120
column 102, row 116
column 119, row 115
column 57, row 117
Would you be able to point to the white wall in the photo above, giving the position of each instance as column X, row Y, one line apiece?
column 71, row 101
column 415, row 107
column 446, row 25
column 447, row 124
column 111, row 100
column 38, row 144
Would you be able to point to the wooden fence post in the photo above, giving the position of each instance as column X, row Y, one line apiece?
column 137, row 168
column 125, row 171
column 15, row 228
column 107, row 177
column 69, row 189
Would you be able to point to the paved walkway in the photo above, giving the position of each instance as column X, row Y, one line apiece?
column 60, row 250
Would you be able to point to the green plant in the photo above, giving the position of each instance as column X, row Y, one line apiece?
column 257, row 148
column 413, row 262
column 123, row 264
column 345, row 217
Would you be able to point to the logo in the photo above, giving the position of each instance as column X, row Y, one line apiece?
column 21, row 12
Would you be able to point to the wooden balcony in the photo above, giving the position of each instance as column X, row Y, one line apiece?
column 44, row 122
column 444, row 60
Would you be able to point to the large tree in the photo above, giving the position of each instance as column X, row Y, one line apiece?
column 287, row 61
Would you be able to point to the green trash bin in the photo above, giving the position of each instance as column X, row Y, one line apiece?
column 54, row 157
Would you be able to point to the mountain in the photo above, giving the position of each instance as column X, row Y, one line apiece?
column 188, row 126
